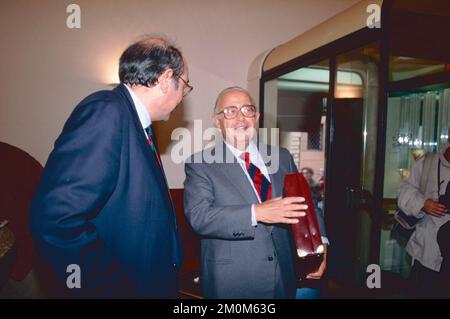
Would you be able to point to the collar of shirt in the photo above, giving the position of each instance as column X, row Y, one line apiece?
column 141, row 110
column 255, row 157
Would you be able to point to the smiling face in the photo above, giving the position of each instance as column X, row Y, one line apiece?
column 240, row 130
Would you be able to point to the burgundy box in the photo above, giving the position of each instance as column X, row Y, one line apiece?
column 306, row 234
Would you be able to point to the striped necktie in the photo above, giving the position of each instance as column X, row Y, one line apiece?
column 152, row 142
column 177, row 248
column 154, row 147
column 262, row 185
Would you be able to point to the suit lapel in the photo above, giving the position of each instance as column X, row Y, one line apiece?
column 237, row 179
column 151, row 156
column 277, row 184
column 236, row 176
column 276, row 179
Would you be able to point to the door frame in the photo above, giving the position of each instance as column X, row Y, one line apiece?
column 329, row 52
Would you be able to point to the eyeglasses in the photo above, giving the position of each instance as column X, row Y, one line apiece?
column 187, row 87
column 230, row 112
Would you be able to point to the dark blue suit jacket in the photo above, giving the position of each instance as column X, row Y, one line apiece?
column 103, row 204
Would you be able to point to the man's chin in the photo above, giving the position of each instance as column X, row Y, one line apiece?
column 238, row 142
column 239, row 137
column 241, row 131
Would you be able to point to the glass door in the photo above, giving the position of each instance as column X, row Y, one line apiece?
column 351, row 168
column 331, row 130
column 417, row 123
column 295, row 104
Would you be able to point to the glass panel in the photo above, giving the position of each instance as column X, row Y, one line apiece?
column 402, row 67
column 417, row 123
column 295, row 103
column 355, row 111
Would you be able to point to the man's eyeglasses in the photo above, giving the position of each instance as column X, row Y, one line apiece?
column 230, row 112
column 187, row 87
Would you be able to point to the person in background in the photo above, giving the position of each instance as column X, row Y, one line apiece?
column 425, row 194
column 314, row 187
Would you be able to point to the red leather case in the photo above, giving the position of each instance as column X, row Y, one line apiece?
column 306, row 234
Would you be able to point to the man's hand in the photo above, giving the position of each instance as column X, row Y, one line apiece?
column 434, row 208
column 323, row 266
column 280, row 210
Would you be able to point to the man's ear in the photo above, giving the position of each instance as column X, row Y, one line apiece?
column 215, row 120
column 164, row 80
column 257, row 118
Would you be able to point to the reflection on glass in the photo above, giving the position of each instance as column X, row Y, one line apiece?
column 355, row 131
column 296, row 103
column 417, row 123
column 402, row 67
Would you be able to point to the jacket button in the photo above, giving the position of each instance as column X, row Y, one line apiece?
column 270, row 258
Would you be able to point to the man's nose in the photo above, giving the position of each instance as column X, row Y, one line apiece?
column 240, row 115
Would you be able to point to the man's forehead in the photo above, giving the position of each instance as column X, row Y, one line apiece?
column 234, row 96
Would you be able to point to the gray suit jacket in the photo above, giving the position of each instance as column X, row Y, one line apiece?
column 238, row 260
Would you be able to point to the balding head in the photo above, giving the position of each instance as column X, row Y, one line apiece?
column 235, row 116
column 144, row 61
column 229, row 90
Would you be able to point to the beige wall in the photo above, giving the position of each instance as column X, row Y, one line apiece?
column 47, row 68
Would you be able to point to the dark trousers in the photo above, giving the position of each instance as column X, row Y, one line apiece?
column 427, row 283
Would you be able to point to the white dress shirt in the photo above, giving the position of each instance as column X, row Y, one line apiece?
column 141, row 110
column 257, row 160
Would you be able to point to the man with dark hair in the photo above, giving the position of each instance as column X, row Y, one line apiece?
column 102, row 216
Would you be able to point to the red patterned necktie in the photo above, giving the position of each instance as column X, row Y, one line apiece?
column 152, row 142
column 151, row 139
column 262, row 185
